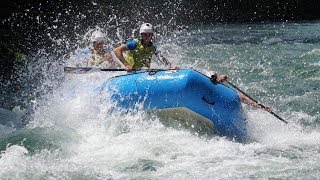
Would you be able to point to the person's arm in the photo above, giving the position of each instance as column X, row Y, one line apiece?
column 118, row 52
column 108, row 57
column 243, row 98
column 248, row 101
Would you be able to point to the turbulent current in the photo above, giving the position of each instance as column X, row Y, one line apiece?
column 68, row 132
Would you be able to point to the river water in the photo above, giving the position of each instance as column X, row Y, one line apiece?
column 67, row 132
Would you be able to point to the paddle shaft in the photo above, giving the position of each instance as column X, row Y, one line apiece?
column 113, row 70
column 136, row 70
column 78, row 70
column 261, row 105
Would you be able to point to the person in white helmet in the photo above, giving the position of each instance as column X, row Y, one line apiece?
column 140, row 51
column 100, row 56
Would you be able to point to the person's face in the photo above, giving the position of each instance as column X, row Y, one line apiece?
column 147, row 37
column 97, row 45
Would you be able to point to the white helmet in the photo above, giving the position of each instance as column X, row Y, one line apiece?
column 146, row 28
column 97, row 36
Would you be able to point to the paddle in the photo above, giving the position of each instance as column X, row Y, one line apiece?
column 81, row 70
column 261, row 105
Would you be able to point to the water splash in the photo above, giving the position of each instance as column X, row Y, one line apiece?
column 71, row 134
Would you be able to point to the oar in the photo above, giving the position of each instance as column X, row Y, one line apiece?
column 81, row 70
column 148, row 70
column 261, row 105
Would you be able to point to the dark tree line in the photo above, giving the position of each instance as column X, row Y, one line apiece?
column 29, row 25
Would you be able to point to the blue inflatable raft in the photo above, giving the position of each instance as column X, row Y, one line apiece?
column 182, row 93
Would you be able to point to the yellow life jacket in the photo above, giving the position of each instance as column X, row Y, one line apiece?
column 140, row 56
column 96, row 57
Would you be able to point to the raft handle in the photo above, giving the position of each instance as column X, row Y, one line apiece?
column 204, row 99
